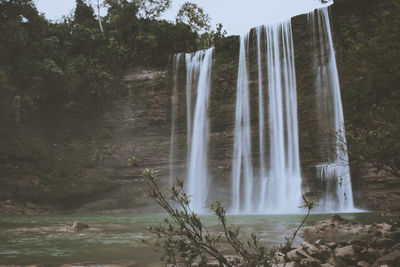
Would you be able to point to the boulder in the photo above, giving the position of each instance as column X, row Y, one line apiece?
column 384, row 243
column 310, row 262
column 324, row 253
column 392, row 259
column 395, row 236
column 346, row 254
column 385, row 227
column 297, row 255
column 369, row 255
column 279, row 257
column 311, row 250
column 363, row 264
column 380, row 230
column 332, row 245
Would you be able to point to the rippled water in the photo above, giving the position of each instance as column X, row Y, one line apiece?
column 115, row 238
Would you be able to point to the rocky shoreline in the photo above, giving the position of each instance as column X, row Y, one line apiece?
column 344, row 242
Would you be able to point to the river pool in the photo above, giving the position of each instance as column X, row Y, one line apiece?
column 27, row 240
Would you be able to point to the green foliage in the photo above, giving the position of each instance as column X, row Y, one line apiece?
column 371, row 60
column 194, row 16
column 220, row 33
column 185, row 239
column 84, row 14
column 71, row 67
column 379, row 143
column 152, row 9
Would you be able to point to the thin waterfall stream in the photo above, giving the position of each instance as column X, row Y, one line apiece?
column 261, row 127
column 242, row 202
column 198, row 176
column 334, row 174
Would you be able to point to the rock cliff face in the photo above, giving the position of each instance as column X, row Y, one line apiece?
column 96, row 166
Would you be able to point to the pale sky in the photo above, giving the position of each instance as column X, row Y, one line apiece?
column 237, row 16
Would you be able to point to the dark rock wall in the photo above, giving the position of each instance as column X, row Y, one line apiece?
column 84, row 166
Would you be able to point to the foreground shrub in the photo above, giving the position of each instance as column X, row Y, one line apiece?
column 185, row 239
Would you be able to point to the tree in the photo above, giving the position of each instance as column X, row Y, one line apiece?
column 99, row 16
column 84, row 14
column 220, row 33
column 152, row 9
column 194, row 16
column 22, row 34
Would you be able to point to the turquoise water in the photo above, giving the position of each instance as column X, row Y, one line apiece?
column 29, row 240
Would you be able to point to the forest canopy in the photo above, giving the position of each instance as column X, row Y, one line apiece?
column 74, row 66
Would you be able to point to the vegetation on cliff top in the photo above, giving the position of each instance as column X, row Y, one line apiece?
column 71, row 66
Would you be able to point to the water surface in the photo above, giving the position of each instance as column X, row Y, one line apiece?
column 26, row 240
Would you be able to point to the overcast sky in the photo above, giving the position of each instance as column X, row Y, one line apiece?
column 237, row 16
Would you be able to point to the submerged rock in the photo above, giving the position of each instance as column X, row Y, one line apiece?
column 79, row 226
column 75, row 227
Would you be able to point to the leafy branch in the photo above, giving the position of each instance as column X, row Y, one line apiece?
column 185, row 239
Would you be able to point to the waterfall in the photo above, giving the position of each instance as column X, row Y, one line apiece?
column 334, row 174
column 174, row 104
column 283, row 190
column 198, row 176
column 242, row 203
column 275, row 185
column 262, row 174
column 193, row 62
